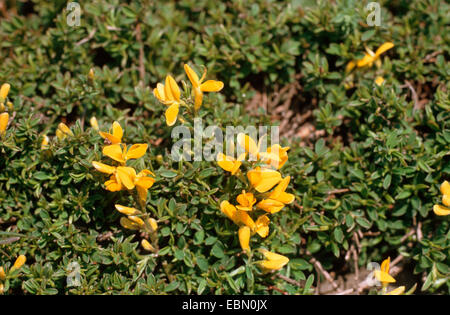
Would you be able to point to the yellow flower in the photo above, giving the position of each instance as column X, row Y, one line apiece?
column 20, row 261
column 115, row 136
column 127, row 210
column 262, row 226
column 200, row 87
column 115, row 152
column 276, row 156
column 229, row 163
column 4, row 90
column 121, row 176
column 249, row 144
column 445, row 190
column 382, row 275
column 143, row 182
column 237, row 216
column 273, row 261
column 149, row 224
column 263, row 179
column 244, row 237
column 246, row 201
column 169, row 94
column 44, row 143
column 379, row 81
column 2, row 107
column 270, row 205
column 279, row 193
column 397, row 291
column 4, row 118
column 371, row 57
column 94, row 123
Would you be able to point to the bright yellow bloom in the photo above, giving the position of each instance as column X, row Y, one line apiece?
column 371, row 57
column 246, row 201
column 249, row 144
column 379, row 81
column 120, row 176
column 199, row 87
column 382, row 275
column 443, row 210
column 279, row 193
column 262, row 226
column 229, row 163
column 244, row 237
column 270, row 205
column 273, row 261
column 143, row 182
column 150, row 224
column 115, row 136
column 397, row 291
column 115, row 152
column 237, row 216
column 263, row 179
column 44, row 143
column 20, row 261
column 2, row 107
column 94, row 123
column 127, row 210
column 4, row 90
column 276, row 156
column 169, row 94
column 4, row 118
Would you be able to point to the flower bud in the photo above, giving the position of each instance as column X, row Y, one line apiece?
column 4, row 90
column 94, row 123
column 4, row 118
column 19, row 262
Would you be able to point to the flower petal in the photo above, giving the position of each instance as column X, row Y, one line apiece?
column 193, row 77
column 127, row 176
column 172, row 114
column 383, row 48
column 136, row 151
column 172, row 87
column 211, row 86
column 445, row 188
column 127, row 210
column 114, row 151
column 440, row 210
column 103, row 167
column 244, row 237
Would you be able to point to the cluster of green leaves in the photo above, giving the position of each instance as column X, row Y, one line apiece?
column 375, row 173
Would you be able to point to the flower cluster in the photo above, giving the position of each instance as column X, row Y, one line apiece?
column 265, row 192
column 4, row 275
column 123, row 177
column 443, row 210
column 369, row 59
column 170, row 95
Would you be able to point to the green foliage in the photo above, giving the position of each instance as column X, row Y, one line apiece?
column 369, row 183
